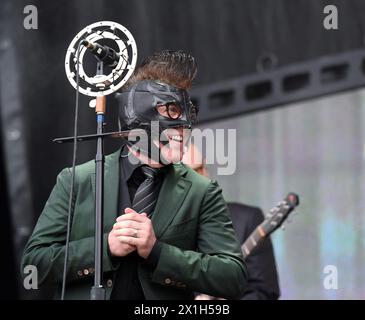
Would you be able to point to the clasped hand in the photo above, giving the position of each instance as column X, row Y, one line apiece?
column 132, row 231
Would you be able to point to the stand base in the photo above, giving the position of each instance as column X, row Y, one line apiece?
column 97, row 293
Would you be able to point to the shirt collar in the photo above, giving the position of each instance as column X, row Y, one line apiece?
column 129, row 162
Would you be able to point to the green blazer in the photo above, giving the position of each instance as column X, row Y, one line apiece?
column 199, row 250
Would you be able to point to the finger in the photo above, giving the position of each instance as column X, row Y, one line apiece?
column 129, row 232
column 127, row 224
column 132, row 216
column 128, row 247
column 129, row 210
column 130, row 240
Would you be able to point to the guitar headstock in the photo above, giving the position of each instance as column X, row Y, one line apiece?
column 278, row 214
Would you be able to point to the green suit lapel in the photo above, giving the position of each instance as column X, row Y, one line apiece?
column 172, row 194
column 111, row 189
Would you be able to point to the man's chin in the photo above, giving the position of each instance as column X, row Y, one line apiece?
column 170, row 155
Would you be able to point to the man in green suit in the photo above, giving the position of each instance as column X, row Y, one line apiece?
column 167, row 231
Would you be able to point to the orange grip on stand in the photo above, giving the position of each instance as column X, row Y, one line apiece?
column 100, row 106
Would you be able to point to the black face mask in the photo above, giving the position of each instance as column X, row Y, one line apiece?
column 139, row 105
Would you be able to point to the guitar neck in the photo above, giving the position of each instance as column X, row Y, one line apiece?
column 254, row 240
column 273, row 221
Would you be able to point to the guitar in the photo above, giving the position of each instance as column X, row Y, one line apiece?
column 273, row 221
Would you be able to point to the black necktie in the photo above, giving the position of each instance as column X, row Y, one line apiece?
column 147, row 193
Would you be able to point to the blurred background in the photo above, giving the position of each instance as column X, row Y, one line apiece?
column 269, row 69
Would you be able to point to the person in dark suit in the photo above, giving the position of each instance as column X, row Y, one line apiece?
column 262, row 282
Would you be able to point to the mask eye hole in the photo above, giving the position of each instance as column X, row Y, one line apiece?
column 170, row 110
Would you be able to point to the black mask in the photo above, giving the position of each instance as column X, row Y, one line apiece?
column 139, row 105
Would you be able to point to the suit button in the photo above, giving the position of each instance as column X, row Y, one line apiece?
column 79, row 273
column 109, row 283
column 168, row 281
column 91, row 270
column 86, row 272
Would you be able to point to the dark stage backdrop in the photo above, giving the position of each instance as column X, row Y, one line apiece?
column 226, row 37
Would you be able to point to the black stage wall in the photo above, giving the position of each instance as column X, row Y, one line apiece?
column 8, row 270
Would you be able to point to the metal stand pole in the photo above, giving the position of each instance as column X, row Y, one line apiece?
column 98, row 290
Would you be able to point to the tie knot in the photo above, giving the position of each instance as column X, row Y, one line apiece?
column 150, row 172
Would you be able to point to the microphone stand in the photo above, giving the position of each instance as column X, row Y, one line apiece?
column 106, row 85
column 98, row 291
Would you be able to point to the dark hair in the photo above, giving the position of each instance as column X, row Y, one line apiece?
column 176, row 68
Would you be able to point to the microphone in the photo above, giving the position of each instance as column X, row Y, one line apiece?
column 103, row 53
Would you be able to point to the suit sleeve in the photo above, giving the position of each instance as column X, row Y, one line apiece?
column 262, row 282
column 217, row 267
column 46, row 247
